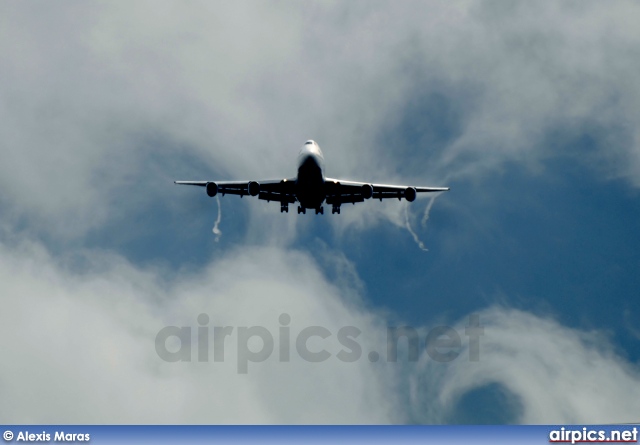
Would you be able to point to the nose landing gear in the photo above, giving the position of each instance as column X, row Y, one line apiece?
column 335, row 209
column 284, row 208
column 320, row 210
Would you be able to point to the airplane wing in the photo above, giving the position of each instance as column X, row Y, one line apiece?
column 343, row 192
column 281, row 190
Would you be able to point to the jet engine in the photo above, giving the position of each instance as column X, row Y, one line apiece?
column 212, row 189
column 253, row 187
column 367, row 191
column 410, row 194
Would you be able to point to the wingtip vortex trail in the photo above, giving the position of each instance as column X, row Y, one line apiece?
column 415, row 236
column 216, row 230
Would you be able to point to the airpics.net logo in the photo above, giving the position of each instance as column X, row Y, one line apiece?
column 256, row 344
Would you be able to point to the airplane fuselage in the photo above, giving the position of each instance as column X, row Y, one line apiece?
column 310, row 184
column 311, row 188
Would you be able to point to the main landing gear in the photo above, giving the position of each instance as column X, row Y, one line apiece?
column 284, row 208
column 319, row 210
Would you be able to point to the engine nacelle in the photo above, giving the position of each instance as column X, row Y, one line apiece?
column 212, row 189
column 253, row 187
column 410, row 194
column 367, row 191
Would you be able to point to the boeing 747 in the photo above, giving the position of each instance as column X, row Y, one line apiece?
column 311, row 188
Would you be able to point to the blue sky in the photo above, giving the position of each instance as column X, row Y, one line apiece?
column 526, row 111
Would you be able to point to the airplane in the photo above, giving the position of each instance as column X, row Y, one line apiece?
column 311, row 188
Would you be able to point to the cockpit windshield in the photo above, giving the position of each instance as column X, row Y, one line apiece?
column 308, row 143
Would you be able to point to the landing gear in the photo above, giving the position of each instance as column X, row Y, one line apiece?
column 284, row 208
column 335, row 209
column 319, row 210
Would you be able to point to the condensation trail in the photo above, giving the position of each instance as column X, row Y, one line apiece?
column 407, row 224
column 425, row 218
column 216, row 231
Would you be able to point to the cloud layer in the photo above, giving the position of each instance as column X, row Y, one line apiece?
column 92, row 97
column 104, row 104
column 78, row 336
column 78, row 339
column 556, row 374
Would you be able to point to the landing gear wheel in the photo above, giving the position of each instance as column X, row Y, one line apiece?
column 284, row 208
column 335, row 209
column 301, row 210
column 320, row 210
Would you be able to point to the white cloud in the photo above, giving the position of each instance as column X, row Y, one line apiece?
column 240, row 86
column 91, row 94
column 558, row 375
column 77, row 335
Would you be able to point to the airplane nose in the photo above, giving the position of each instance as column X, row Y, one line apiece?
column 307, row 149
column 305, row 154
column 310, row 150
